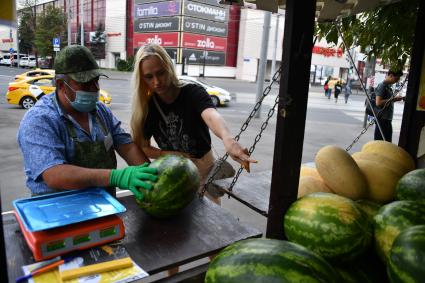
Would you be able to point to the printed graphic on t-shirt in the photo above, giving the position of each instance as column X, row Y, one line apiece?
column 174, row 136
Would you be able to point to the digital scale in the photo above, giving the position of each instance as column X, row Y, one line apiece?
column 58, row 223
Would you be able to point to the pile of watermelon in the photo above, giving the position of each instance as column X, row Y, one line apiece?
column 363, row 215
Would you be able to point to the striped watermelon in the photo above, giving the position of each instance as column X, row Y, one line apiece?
column 411, row 186
column 370, row 208
column 266, row 261
column 392, row 219
column 178, row 182
column 407, row 256
column 329, row 225
column 366, row 269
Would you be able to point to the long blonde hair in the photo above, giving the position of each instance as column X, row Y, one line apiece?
column 141, row 92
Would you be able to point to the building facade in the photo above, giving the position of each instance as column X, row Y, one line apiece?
column 201, row 36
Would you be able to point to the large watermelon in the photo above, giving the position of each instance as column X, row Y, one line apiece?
column 178, row 182
column 392, row 219
column 271, row 261
column 407, row 256
column 329, row 225
column 370, row 208
column 366, row 269
column 411, row 186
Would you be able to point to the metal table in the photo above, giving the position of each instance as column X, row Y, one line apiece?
column 200, row 230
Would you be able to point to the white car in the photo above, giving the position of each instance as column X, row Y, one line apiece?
column 219, row 96
column 23, row 62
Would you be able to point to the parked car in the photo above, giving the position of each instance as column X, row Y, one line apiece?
column 34, row 73
column 27, row 91
column 5, row 60
column 219, row 96
column 45, row 63
column 23, row 62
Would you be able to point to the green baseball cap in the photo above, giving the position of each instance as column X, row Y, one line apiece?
column 78, row 63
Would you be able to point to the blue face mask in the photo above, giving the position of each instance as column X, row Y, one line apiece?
column 85, row 101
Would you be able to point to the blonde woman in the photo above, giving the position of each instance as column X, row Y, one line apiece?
column 178, row 116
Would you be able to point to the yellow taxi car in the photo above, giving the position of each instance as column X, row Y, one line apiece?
column 34, row 73
column 27, row 91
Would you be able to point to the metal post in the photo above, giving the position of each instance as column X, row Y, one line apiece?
column 276, row 36
column 263, row 59
column 82, row 22
column 292, row 110
column 69, row 17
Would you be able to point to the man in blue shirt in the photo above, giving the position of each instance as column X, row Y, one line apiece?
column 385, row 101
column 68, row 139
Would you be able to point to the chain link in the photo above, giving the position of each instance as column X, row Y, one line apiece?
column 276, row 78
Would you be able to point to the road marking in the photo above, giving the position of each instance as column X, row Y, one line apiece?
column 6, row 76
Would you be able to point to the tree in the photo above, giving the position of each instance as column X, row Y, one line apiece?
column 26, row 28
column 50, row 24
column 386, row 32
column 97, row 43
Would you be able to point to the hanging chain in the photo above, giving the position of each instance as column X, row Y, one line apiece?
column 276, row 78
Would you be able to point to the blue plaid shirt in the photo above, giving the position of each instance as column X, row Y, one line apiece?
column 45, row 141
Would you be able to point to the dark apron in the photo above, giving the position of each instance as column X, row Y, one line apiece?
column 93, row 154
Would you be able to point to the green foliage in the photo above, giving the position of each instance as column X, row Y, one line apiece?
column 50, row 24
column 386, row 32
column 97, row 43
column 26, row 30
column 126, row 65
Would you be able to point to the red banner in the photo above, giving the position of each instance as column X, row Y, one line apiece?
column 204, row 42
column 167, row 39
column 327, row 52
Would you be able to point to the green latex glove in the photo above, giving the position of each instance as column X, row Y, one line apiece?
column 133, row 177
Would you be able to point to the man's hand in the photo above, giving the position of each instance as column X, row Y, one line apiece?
column 398, row 98
column 133, row 177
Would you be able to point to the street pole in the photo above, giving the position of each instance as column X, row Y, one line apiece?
column 263, row 59
column 69, row 17
column 82, row 22
column 205, row 55
column 276, row 35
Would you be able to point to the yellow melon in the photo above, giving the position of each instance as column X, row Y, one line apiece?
column 391, row 151
column 395, row 165
column 381, row 180
column 309, row 171
column 308, row 185
column 340, row 172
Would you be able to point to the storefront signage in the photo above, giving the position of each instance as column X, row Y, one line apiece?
column 156, row 24
column 206, row 11
column 164, row 39
column 167, row 8
column 327, row 52
column 198, row 41
column 209, row 2
column 197, row 57
column 204, row 27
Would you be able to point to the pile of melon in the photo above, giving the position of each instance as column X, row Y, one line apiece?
column 358, row 218
column 370, row 174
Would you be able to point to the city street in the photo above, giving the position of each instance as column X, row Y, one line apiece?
column 327, row 123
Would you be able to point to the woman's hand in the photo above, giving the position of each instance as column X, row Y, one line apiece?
column 238, row 153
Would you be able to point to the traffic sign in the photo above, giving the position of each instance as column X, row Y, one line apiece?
column 56, row 48
column 56, row 42
column 11, row 50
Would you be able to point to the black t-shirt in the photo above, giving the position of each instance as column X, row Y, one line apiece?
column 185, row 130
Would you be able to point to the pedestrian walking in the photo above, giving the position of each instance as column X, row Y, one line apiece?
column 326, row 87
column 338, row 89
column 347, row 90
